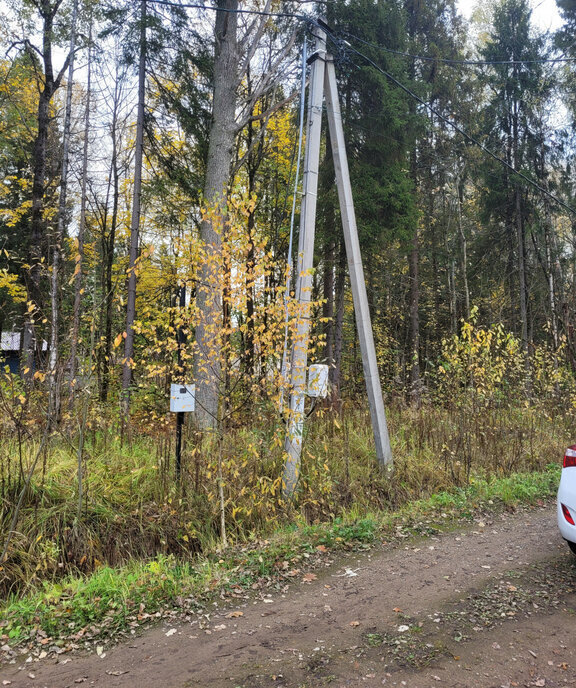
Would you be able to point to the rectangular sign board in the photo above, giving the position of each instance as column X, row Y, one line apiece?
column 182, row 398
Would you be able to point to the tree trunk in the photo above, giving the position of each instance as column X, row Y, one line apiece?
column 453, row 297
column 519, row 221
column 108, row 245
column 220, row 154
column 336, row 369
column 135, row 223
column 522, row 272
column 460, row 192
column 78, row 278
column 328, row 298
column 250, row 353
column 250, row 324
column 414, row 361
column 37, row 223
column 53, row 381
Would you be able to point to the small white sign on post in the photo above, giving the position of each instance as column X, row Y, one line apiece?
column 182, row 398
column 318, row 381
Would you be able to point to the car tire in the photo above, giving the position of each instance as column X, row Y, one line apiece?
column 572, row 546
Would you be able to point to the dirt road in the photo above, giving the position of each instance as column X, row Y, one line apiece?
column 488, row 607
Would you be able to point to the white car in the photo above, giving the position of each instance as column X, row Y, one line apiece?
column 567, row 498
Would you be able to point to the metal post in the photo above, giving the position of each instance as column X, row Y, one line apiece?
column 361, row 310
column 299, row 354
column 180, row 414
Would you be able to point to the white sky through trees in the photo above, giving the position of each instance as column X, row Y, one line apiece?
column 544, row 12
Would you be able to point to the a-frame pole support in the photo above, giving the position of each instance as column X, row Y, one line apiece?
column 323, row 82
column 357, row 282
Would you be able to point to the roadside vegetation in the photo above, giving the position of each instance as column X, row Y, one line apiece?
column 77, row 610
column 99, row 528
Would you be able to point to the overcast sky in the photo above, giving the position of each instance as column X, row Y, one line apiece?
column 545, row 12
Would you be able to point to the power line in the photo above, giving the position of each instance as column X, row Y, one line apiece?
column 261, row 13
column 443, row 60
column 456, row 127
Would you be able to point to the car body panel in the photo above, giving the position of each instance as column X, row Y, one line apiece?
column 567, row 496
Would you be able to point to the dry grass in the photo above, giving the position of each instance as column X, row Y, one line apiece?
column 132, row 506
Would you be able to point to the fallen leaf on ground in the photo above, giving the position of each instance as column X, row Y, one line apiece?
column 354, row 623
column 234, row 615
column 309, row 577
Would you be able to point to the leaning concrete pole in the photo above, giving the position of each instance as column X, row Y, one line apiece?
column 303, row 286
column 361, row 310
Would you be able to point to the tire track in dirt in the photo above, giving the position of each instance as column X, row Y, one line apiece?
column 284, row 635
column 525, row 653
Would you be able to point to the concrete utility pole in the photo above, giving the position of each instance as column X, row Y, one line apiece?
column 323, row 81
column 299, row 358
column 357, row 282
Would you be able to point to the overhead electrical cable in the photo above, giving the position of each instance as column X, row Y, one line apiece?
column 444, row 60
column 261, row 13
column 289, row 258
column 456, row 127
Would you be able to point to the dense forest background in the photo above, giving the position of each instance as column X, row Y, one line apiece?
column 149, row 152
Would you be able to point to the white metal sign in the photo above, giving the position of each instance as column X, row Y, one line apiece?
column 182, row 398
